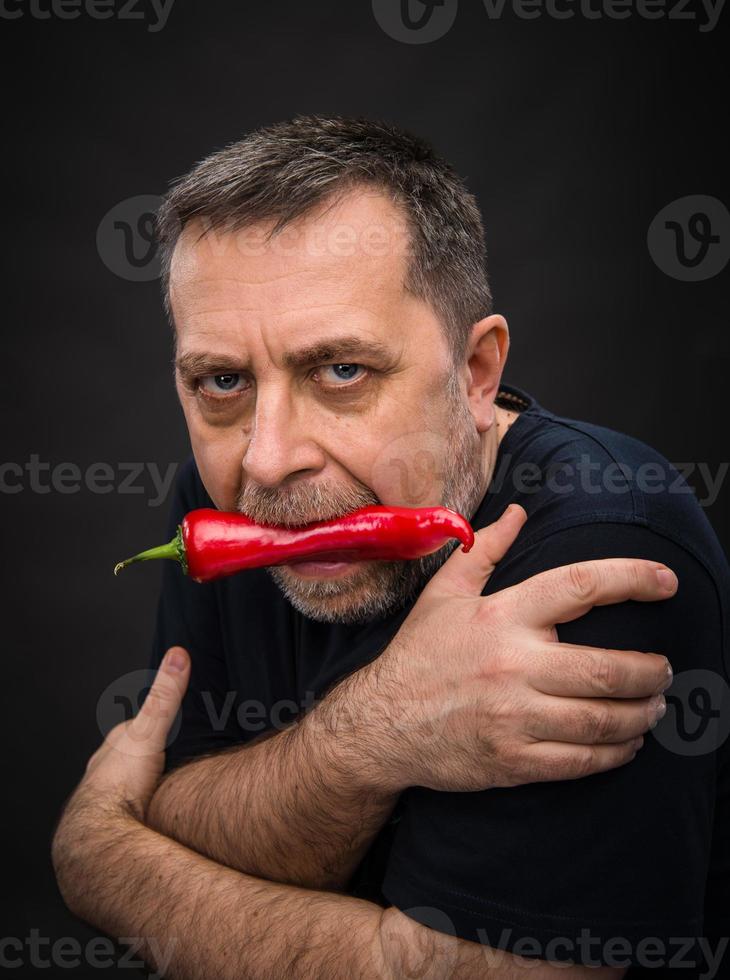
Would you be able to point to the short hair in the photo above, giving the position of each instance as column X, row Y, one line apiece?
column 281, row 172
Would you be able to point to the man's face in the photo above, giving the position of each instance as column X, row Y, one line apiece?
column 313, row 383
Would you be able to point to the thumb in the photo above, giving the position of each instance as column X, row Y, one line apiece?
column 154, row 719
column 467, row 573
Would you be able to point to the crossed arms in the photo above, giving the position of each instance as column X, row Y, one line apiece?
column 240, row 855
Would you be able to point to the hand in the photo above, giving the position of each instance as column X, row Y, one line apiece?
column 476, row 691
column 125, row 770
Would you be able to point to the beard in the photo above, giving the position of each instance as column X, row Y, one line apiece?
column 373, row 589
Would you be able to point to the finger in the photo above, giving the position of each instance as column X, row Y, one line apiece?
column 467, row 573
column 154, row 719
column 573, row 671
column 593, row 721
column 570, row 591
column 548, row 761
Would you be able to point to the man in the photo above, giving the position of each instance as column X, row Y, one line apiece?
column 431, row 768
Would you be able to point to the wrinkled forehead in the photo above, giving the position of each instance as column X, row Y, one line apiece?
column 352, row 250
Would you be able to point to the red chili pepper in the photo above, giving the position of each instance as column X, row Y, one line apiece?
column 210, row 544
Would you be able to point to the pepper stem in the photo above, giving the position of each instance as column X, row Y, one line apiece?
column 173, row 549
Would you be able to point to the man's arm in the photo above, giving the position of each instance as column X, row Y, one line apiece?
column 601, row 868
column 296, row 806
column 196, row 919
column 300, row 807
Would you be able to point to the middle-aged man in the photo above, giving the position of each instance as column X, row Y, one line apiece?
column 430, row 768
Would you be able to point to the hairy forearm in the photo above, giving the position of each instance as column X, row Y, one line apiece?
column 194, row 919
column 300, row 807
column 191, row 918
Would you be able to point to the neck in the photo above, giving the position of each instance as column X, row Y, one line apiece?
column 491, row 439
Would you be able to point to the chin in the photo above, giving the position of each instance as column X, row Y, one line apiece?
column 351, row 597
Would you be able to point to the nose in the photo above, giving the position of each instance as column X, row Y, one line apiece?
column 281, row 441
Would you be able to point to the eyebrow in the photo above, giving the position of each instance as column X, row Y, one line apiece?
column 194, row 363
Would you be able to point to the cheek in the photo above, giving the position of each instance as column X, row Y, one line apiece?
column 409, row 469
column 218, row 455
column 406, row 464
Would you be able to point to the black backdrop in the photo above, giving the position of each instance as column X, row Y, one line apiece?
column 574, row 133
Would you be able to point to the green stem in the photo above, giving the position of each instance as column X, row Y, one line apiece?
column 173, row 549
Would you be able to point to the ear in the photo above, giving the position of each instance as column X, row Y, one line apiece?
column 486, row 354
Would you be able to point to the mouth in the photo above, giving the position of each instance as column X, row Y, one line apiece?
column 327, row 563
column 322, row 569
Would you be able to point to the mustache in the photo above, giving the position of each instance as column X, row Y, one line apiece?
column 303, row 503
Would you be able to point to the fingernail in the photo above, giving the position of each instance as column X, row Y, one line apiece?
column 667, row 579
column 175, row 662
column 638, row 742
column 657, row 710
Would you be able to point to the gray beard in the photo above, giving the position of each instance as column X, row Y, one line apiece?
column 381, row 587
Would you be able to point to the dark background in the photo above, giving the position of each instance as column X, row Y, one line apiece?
column 573, row 134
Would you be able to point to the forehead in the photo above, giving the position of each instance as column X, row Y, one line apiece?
column 351, row 252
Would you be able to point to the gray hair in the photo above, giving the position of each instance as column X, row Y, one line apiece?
column 283, row 171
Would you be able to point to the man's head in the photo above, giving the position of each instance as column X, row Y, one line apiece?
column 335, row 345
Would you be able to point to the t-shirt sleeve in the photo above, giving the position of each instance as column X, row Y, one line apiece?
column 583, row 870
column 188, row 615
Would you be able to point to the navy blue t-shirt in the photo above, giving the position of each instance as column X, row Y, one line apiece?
column 627, row 867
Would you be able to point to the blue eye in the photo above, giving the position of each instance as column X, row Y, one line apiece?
column 344, row 372
column 219, row 384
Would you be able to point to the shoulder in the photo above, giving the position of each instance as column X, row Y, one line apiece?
column 567, row 473
column 590, row 493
